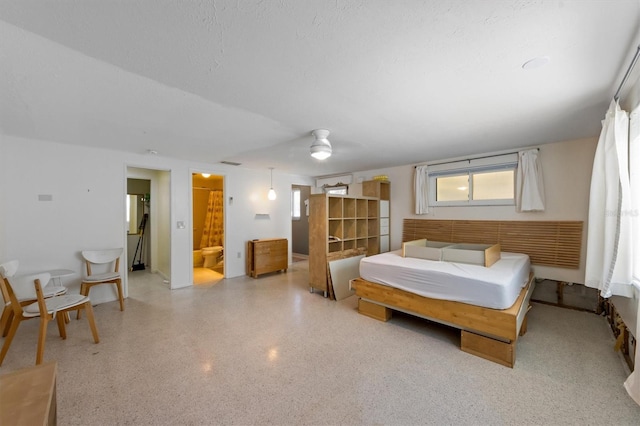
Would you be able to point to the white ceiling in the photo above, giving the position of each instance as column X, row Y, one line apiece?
column 396, row 82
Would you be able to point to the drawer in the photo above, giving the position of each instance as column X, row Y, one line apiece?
column 384, row 208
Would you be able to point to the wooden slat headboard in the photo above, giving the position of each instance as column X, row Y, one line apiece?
column 548, row 243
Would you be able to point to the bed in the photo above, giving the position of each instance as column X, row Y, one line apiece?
column 488, row 328
column 495, row 287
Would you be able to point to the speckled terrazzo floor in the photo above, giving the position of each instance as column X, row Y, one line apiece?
column 267, row 351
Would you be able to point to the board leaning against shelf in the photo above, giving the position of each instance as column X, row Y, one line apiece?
column 340, row 224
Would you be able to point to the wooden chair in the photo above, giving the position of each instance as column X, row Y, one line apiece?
column 8, row 270
column 47, row 309
column 104, row 259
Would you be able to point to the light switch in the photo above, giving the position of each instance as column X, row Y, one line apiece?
column 181, row 224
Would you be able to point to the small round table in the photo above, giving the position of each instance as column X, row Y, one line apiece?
column 56, row 280
column 58, row 274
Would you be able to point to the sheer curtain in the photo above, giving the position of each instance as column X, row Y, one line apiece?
column 608, row 266
column 421, row 189
column 632, row 384
column 529, row 184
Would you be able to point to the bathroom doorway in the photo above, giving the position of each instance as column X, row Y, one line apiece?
column 208, row 228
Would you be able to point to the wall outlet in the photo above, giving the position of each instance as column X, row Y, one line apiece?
column 239, row 255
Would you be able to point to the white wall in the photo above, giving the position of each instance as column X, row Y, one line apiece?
column 88, row 189
column 567, row 178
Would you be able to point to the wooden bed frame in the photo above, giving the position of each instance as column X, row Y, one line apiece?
column 489, row 333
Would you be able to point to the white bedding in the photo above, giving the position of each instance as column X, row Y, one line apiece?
column 496, row 287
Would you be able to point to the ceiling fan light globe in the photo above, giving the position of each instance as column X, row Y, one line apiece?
column 321, row 147
column 320, row 152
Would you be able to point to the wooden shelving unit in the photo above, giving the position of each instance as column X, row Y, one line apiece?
column 381, row 190
column 338, row 224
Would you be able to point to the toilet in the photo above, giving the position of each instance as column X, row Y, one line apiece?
column 211, row 256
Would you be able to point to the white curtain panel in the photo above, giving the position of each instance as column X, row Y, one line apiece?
column 421, row 189
column 529, row 183
column 609, row 250
column 632, row 384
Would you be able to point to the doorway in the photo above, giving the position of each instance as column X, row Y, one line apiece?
column 208, row 228
column 300, row 222
column 138, row 209
column 150, row 191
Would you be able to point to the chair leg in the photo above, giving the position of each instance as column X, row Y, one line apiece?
column 60, row 317
column 7, row 324
column 84, row 290
column 119, row 285
column 42, row 337
column 7, row 341
column 4, row 319
column 92, row 321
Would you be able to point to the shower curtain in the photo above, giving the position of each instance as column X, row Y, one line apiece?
column 213, row 232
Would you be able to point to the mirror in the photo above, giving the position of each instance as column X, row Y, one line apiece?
column 135, row 212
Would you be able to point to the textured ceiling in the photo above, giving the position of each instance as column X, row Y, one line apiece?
column 396, row 82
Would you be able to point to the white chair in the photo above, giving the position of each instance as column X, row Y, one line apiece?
column 109, row 261
column 47, row 309
column 8, row 270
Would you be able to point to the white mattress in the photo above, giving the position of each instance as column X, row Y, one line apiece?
column 496, row 287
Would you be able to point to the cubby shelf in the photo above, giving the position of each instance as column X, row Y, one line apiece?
column 338, row 223
column 381, row 190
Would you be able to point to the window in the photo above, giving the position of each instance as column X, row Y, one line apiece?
column 295, row 204
column 494, row 185
column 452, row 188
column 482, row 181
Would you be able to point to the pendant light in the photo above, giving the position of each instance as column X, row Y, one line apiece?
column 321, row 147
column 272, row 193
